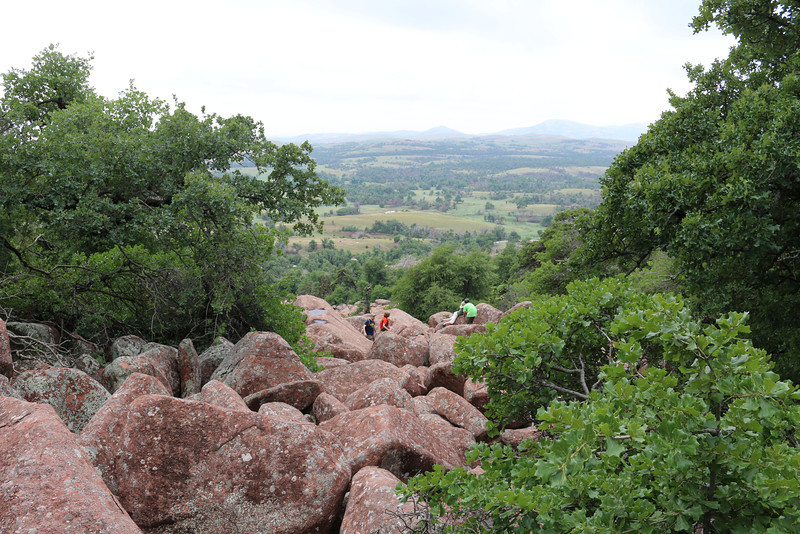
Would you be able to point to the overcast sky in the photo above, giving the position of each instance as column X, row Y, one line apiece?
column 351, row 66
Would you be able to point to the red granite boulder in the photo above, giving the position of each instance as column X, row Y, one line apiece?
column 330, row 332
column 47, row 483
column 117, row 372
column 441, row 348
column 441, row 375
column 7, row 390
column 75, row 396
column 186, row 466
column 127, row 346
column 326, row 407
column 299, row 394
column 381, row 391
column 222, row 396
column 487, row 314
column 344, row 380
column 188, row 368
column 373, row 505
column 459, row 438
column 391, row 438
column 99, row 437
column 6, row 362
column 281, row 409
column 400, row 350
column 458, row 411
column 259, row 361
column 212, row 357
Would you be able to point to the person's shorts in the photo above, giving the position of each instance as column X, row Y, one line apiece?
column 468, row 320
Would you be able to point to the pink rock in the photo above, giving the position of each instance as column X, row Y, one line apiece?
column 330, row 332
column 463, row 329
column 299, row 394
column 477, row 394
column 416, row 380
column 391, row 438
column 514, row 437
column 326, row 362
column 441, row 348
column 75, row 396
column 487, row 314
column 99, row 437
column 47, row 483
column 342, row 381
column 441, row 375
column 117, row 372
column 438, row 318
column 381, row 391
column 327, row 407
column 373, row 505
column 212, row 357
column 458, row 411
column 165, row 361
column 6, row 362
column 188, row 368
column 186, row 466
column 6, row 390
column 259, row 361
column 129, row 346
column 459, row 438
column 222, row 396
column 281, row 409
column 422, row 405
column 399, row 350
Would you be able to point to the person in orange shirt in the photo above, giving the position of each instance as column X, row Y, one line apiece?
column 384, row 325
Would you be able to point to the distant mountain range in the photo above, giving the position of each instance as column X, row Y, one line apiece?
column 574, row 130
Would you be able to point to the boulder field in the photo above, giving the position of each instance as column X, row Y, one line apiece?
column 241, row 437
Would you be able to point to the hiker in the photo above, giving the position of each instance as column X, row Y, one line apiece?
column 459, row 311
column 369, row 327
column 384, row 325
column 470, row 311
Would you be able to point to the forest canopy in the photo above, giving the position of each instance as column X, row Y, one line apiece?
column 129, row 216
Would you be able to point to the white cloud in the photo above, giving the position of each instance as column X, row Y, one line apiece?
column 361, row 65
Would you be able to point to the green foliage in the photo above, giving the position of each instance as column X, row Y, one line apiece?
column 715, row 183
column 441, row 281
column 553, row 349
column 701, row 441
column 127, row 216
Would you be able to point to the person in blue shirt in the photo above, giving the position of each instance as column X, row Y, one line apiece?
column 369, row 327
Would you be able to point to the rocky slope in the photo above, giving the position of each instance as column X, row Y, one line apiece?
column 239, row 438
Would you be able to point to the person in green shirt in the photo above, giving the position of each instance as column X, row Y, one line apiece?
column 470, row 311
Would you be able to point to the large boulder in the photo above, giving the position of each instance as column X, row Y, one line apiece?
column 344, row 380
column 218, row 394
column 127, row 346
column 381, row 391
column 99, row 437
column 186, row 466
column 75, row 396
column 259, row 361
column 117, row 372
column 188, row 368
column 212, row 357
column 391, row 438
column 459, row 329
column 459, row 438
column 7, row 390
column 300, row 394
column 458, row 411
column 487, row 314
column 47, row 483
column 400, row 350
column 330, row 332
column 6, row 362
column 441, row 348
column 441, row 375
column 327, row 407
column 165, row 360
column 373, row 505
